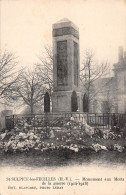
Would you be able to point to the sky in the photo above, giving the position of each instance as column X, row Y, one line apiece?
column 26, row 26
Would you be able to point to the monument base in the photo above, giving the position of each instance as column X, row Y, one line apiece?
column 61, row 101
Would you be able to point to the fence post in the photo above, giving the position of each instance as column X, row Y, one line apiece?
column 103, row 121
column 95, row 119
column 87, row 117
column 6, row 121
column 108, row 120
column 13, row 122
column 111, row 120
column 34, row 122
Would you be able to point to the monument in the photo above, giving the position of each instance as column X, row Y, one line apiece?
column 66, row 68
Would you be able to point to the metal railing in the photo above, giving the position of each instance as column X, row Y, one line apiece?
column 101, row 120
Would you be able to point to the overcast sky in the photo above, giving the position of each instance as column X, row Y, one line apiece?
column 26, row 26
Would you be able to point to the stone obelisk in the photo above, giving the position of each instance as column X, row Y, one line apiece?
column 66, row 67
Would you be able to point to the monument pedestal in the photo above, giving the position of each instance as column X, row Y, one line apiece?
column 62, row 101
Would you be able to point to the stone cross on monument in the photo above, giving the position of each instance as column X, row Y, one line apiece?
column 66, row 67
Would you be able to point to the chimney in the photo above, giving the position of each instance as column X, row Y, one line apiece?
column 120, row 53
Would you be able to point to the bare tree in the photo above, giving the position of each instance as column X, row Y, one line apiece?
column 8, row 73
column 45, row 68
column 28, row 91
column 29, row 87
column 89, row 73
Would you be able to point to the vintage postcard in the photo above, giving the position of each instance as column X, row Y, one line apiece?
column 63, row 97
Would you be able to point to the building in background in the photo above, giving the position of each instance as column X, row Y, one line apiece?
column 110, row 93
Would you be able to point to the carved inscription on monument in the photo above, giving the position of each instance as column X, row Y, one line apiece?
column 62, row 69
column 75, row 63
